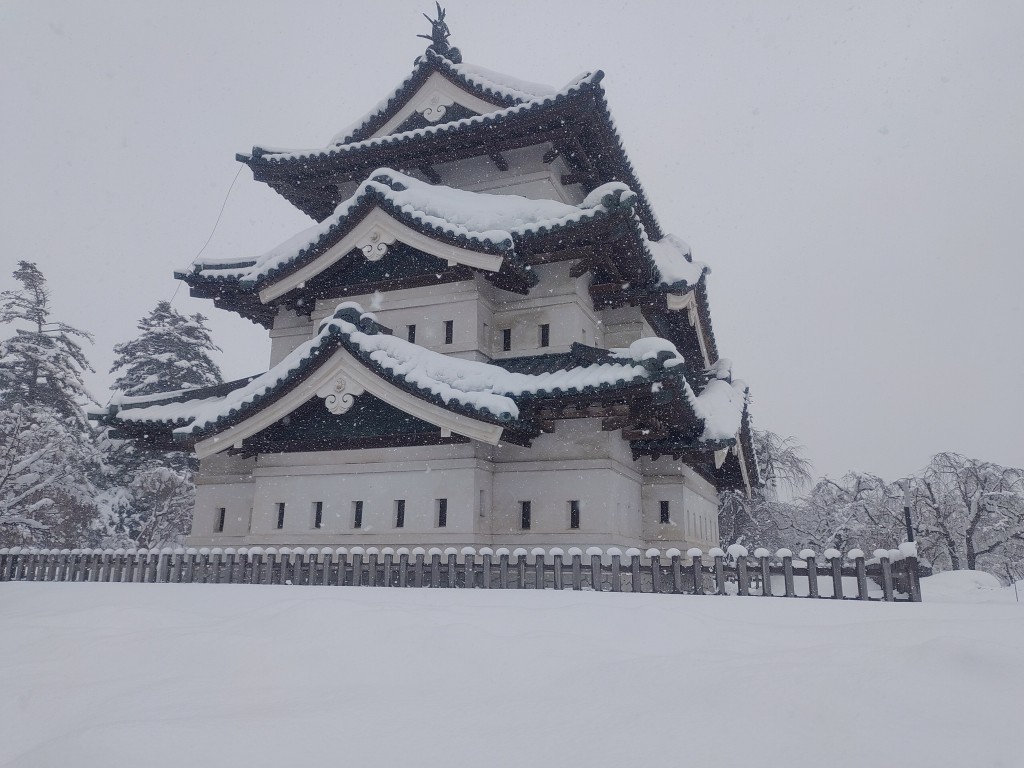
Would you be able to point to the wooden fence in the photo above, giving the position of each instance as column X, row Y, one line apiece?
column 890, row 575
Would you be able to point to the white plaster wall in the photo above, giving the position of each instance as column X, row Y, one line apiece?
column 223, row 481
column 693, row 505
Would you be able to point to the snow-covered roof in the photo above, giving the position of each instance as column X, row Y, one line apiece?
column 355, row 144
column 504, row 90
column 474, row 220
column 484, row 391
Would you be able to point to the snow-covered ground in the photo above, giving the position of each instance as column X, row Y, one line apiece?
column 173, row 675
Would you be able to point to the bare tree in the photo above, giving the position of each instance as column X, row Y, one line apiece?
column 763, row 518
column 970, row 513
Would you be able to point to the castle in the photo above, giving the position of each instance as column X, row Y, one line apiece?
column 485, row 339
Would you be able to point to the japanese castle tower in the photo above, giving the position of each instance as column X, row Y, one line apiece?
column 485, row 339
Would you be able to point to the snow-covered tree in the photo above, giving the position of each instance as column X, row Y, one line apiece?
column 42, row 363
column 970, row 513
column 860, row 510
column 171, row 352
column 48, row 453
column 762, row 518
column 149, row 497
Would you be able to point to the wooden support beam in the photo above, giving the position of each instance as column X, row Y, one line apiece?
column 550, row 155
column 574, row 178
column 432, row 176
column 499, row 161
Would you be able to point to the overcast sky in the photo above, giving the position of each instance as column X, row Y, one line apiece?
column 852, row 172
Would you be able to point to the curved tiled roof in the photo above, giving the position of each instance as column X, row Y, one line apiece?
column 483, row 391
column 476, row 221
column 501, row 90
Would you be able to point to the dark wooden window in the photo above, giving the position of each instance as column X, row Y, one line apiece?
column 663, row 517
column 221, row 514
column 544, row 339
column 449, row 331
column 280, row 514
column 400, row 513
column 442, row 513
column 506, row 339
column 527, row 512
column 574, row 513
column 411, row 331
column 318, row 514
column 357, row 514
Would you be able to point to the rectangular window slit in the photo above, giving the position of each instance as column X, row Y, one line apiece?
column 411, row 330
column 525, row 520
column 544, row 339
column 357, row 514
column 400, row 513
column 442, row 513
column 664, row 518
column 574, row 514
column 280, row 514
column 506, row 339
column 449, row 331
column 221, row 514
column 318, row 514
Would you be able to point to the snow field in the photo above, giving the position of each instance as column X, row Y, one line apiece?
column 100, row 674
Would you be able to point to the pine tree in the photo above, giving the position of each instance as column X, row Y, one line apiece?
column 172, row 352
column 48, row 454
column 149, row 498
column 41, row 364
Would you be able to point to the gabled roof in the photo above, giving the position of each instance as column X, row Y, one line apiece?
column 575, row 119
column 495, row 88
column 490, row 232
column 351, row 346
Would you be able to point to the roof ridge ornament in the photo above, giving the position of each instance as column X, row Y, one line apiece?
column 438, row 37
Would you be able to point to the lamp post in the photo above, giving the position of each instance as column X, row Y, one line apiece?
column 906, row 509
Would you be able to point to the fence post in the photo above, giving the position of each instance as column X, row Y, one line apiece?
column 269, row 565
column 886, row 568
column 152, row 566
column 298, row 555
column 435, row 566
column 420, row 554
column 357, row 565
column 675, row 564
column 372, row 554
column 810, row 559
column 131, row 562
column 634, row 569
column 616, row 555
column 697, row 568
column 577, row 567
column 594, row 553
column 326, row 556
column 520, row 555
column 739, row 553
column 835, row 561
column 28, row 559
column 451, row 572
column 487, row 555
column 341, row 555
column 719, row 555
column 76, row 564
column 469, row 561
column 538, row 568
column 5, row 563
column 654, row 556
column 762, row 556
column 213, row 571
column 862, row 577
column 909, row 550
column 403, row 567
column 556, row 557
column 503, row 555
column 786, row 556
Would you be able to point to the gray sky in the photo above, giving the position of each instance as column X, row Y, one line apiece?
column 852, row 172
